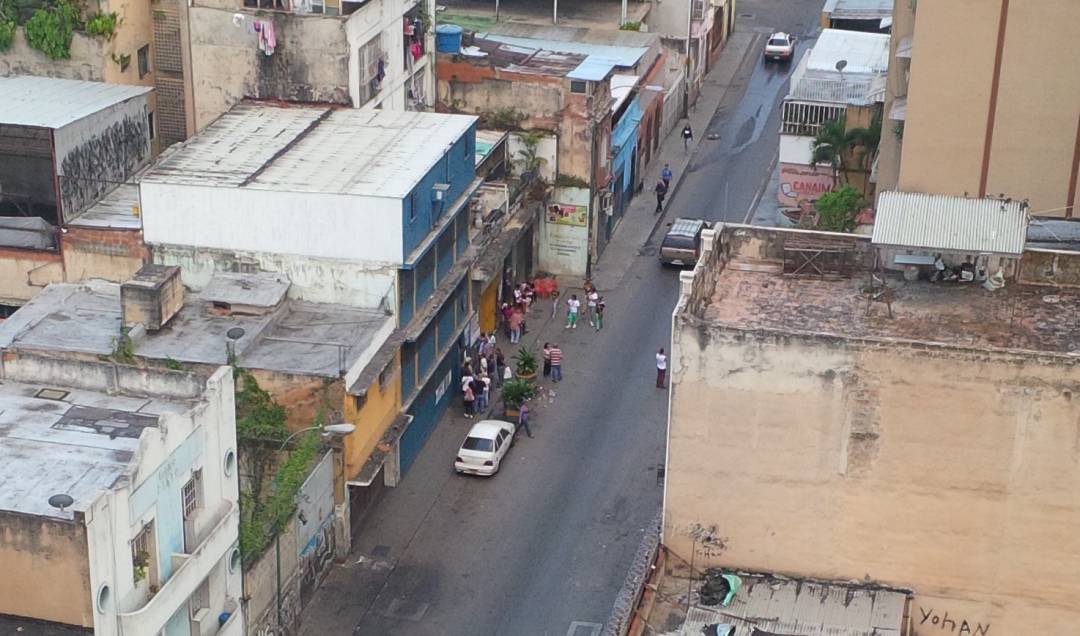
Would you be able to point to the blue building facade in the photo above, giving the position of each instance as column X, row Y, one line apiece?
column 624, row 146
column 434, row 307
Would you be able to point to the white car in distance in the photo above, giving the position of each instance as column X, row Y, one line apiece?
column 780, row 47
column 484, row 447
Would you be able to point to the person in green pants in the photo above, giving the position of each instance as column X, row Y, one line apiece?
column 572, row 307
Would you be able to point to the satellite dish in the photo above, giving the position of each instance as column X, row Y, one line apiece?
column 61, row 501
column 235, row 333
column 841, row 65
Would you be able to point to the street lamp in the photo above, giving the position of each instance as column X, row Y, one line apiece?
column 333, row 430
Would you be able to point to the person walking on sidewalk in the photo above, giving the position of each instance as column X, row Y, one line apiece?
column 590, row 306
column 572, row 307
column 687, row 137
column 665, row 176
column 516, row 319
column 556, row 363
column 554, row 302
column 661, row 368
column 546, row 351
column 523, row 418
column 600, row 306
column 661, row 192
column 500, row 366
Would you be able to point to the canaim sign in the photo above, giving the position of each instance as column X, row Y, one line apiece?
column 800, row 183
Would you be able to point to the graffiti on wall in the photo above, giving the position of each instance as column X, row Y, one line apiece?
column 95, row 166
column 316, row 559
column 930, row 622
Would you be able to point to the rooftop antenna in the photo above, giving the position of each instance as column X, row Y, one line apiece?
column 233, row 334
column 61, row 501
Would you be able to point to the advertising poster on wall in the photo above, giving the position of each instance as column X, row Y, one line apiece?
column 799, row 183
column 564, row 214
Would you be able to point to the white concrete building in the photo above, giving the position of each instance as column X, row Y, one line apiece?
column 119, row 499
column 843, row 73
column 337, row 200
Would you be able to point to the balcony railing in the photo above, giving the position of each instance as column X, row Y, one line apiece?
column 192, row 569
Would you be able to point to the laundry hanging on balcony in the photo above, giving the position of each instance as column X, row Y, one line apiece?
column 267, row 40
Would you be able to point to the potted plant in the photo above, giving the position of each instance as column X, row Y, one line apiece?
column 514, row 394
column 140, row 566
column 525, row 364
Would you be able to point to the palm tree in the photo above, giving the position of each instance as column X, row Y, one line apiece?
column 830, row 145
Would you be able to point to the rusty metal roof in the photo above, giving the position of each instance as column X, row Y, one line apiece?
column 793, row 607
column 945, row 223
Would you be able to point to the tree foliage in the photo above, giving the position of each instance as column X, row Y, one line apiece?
column 268, row 498
column 836, row 211
column 50, row 30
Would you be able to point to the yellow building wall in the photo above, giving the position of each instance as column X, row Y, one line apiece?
column 379, row 409
column 951, row 473
column 487, row 307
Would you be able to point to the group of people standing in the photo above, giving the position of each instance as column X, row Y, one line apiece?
column 479, row 374
column 594, row 308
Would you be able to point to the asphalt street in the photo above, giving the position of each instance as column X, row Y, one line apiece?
column 544, row 546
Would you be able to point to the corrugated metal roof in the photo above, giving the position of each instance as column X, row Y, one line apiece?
column 858, row 9
column 864, row 52
column 367, row 153
column 949, row 223
column 592, row 70
column 48, row 102
column 804, row 608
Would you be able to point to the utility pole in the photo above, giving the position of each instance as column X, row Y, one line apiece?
column 622, row 20
column 555, row 11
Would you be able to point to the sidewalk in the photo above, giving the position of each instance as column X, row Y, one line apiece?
column 640, row 218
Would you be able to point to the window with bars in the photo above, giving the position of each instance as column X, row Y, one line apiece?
column 142, row 554
column 200, row 598
column 190, row 494
column 270, row 5
column 372, row 69
column 803, row 118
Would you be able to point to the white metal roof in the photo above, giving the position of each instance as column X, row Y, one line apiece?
column 621, row 87
column 865, row 53
column 794, row 607
column 950, row 223
column 342, row 151
column 858, row 9
column 48, row 102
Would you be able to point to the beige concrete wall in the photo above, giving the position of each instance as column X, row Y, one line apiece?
column 23, row 273
column 948, row 103
column 1035, row 130
column 951, row 472
column 310, row 63
column 46, row 570
column 1035, row 123
column 87, row 62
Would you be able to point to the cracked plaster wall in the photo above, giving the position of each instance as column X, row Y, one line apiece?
column 948, row 471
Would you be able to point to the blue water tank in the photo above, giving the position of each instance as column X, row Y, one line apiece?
column 448, row 38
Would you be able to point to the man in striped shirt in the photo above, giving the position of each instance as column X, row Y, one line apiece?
column 556, row 363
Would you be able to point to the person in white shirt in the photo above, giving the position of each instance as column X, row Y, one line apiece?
column 590, row 306
column 661, row 368
column 572, row 307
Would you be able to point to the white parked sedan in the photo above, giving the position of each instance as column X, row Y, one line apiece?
column 484, row 447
